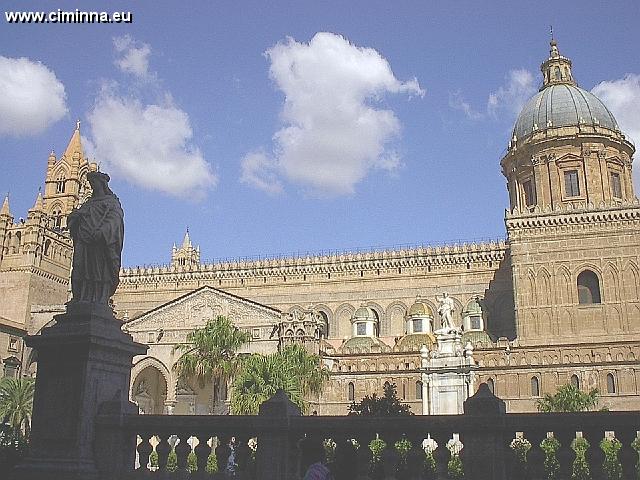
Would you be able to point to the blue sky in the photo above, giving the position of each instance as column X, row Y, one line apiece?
column 264, row 135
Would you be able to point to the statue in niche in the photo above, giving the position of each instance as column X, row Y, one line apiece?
column 445, row 310
column 97, row 230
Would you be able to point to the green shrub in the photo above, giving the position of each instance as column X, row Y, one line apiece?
column 192, row 462
column 377, row 446
column 611, row 466
column 636, row 446
column 212, row 464
column 550, row 447
column 454, row 467
column 172, row 461
column 429, row 464
column 153, row 460
column 580, row 469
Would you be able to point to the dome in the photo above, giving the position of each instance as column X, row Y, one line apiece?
column 364, row 344
column 420, row 309
column 561, row 105
column 365, row 313
column 477, row 338
column 413, row 342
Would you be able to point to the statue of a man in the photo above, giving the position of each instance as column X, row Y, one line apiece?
column 445, row 310
column 97, row 230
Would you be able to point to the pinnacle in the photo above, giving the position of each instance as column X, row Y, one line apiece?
column 5, row 206
column 75, row 144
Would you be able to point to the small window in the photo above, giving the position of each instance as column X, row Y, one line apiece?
column 476, row 323
column 351, row 392
column 404, row 390
column 535, row 387
column 13, row 344
column 556, row 71
column 492, row 386
column 529, row 193
column 151, row 337
column 60, row 185
column 255, row 333
column 588, row 288
column 611, row 383
column 575, row 381
column 571, row 183
column 417, row 325
column 418, row 390
column 616, row 187
column 361, row 328
column 11, row 366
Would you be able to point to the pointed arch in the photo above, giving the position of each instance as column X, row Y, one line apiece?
column 631, row 281
column 544, row 286
column 564, row 285
column 393, row 320
column 532, row 287
column 611, row 283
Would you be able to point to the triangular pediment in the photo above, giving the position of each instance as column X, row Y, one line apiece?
column 194, row 309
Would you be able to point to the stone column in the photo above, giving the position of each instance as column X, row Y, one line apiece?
column 84, row 364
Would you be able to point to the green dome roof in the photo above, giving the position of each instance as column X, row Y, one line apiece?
column 365, row 313
column 420, row 309
column 413, row 342
column 476, row 338
column 364, row 343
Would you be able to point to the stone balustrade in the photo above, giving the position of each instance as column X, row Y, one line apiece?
column 416, row 447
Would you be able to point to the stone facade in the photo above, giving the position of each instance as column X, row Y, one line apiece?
column 557, row 301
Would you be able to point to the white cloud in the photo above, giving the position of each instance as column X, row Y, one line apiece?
column 457, row 102
column 622, row 97
column 32, row 97
column 519, row 87
column 149, row 143
column 258, row 170
column 332, row 135
column 133, row 56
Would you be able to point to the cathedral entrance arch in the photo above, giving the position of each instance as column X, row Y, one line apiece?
column 149, row 390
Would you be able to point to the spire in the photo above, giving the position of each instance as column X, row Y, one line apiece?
column 38, row 206
column 5, row 206
column 187, row 240
column 556, row 69
column 75, row 145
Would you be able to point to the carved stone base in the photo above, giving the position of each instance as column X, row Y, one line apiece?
column 84, row 363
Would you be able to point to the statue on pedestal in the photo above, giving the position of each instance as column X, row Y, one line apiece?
column 97, row 230
column 445, row 310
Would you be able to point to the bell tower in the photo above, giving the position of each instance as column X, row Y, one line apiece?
column 66, row 180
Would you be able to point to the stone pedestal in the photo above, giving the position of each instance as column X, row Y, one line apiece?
column 84, row 364
column 448, row 374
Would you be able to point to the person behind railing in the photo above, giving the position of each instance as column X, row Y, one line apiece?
column 222, row 452
column 312, row 456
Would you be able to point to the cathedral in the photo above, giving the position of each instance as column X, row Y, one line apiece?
column 557, row 302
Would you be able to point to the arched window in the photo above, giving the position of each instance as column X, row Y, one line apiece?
column 404, row 390
column 47, row 245
column 491, row 384
column 575, row 381
column 535, row 387
column 588, row 288
column 323, row 320
column 611, row 383
column 351, row 392
column 418, row 390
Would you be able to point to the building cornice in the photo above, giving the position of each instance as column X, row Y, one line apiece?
column 347, row 263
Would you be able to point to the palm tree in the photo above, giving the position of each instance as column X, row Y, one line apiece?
column 210, row 353
column 292, row 369
column 16, row 404
column 259, row 379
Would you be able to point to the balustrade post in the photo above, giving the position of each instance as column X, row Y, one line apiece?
column 274, row 445
column 484, row 442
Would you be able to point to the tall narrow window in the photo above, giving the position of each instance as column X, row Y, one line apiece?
column 571, row 183
column 611, row 383
column 588, row 288
column 60, row 184
column 575, row 381
column 418, row 390
column 529, row 193
column 616, row 187
column 351, row 392
column 535, row 387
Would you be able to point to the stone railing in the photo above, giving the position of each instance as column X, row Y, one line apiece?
column 484, row 443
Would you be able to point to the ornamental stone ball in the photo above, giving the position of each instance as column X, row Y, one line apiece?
column 97, row 230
